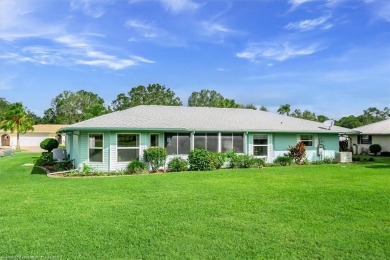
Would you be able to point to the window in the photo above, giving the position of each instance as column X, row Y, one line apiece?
column 365, row 139
column 232, row 142
column 127, row 147
column 206, row 141
column 308, row 140
column 95, row 144
column 260, row 145
column 177, row 143
column 154, row 139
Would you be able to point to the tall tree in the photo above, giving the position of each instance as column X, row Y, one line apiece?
column 153, row 94
column 349, row 122
column 250, row 106
column 3, row 105
column 70, row 108
column 284, row 109
column 211, row 98
column 322, row 118
column 16, row 118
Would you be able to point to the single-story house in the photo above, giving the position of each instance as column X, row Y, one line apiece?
column 32, row 138
column 111, row 141
column 376, row 133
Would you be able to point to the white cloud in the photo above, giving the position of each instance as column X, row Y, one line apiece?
column 296, row 3
column 216, row 28
column 94, row 8
column 139, row 25
column 177, row 6
column 380, row 9
column 306, row 25
column 116, row 64
column 18, row 20
column 276, row 51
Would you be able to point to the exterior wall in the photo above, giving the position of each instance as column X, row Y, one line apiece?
column 77, row 147
column 382, row 140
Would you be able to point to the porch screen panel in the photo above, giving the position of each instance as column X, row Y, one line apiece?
column 238, row 143
column 170, row 143
column 184, row 144
column 212, row 142
column 200, row 141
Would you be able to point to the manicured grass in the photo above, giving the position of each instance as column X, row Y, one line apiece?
column 325, row 211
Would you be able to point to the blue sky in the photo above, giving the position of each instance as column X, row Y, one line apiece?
column 329, row 56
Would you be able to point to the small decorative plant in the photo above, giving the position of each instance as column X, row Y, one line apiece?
column 375, row 149
column 177, row 164
column 156, row 157
column 297, row 153
column 49, row 144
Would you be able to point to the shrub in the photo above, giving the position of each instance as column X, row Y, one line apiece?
column 244, row 161
column 200, row 160
column 375, row 149
column 283, row 160
column 234, row 160
column 136, row 167
column 46, row 159
column 343, row 145
column 355, row 159
column 49, row 144
column 328, row 160
column 219, row 159
column 385, row 153
column 156, row 157
column 297, row 152
column 258, row 162
column 371, row 159
column 65, row 165
column 177, row 164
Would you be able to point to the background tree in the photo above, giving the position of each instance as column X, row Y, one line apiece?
column 3, row 105
column 322, row 118
column 70, row 108
column 263, row 108
column 284, row 109
column 250, row 106
column 153, row 94
column 349, row 122
column 211, row 98
column 16, row 118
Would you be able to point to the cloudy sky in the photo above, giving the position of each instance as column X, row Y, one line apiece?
column 329, row 56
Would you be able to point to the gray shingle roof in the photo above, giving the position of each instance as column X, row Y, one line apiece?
column 382, row 127
column 201, row 119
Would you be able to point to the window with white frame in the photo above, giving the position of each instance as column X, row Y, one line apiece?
column 232, row 142
column 95, row 147
column 177, row 143
column 127, row 147
column 308, row 140
column 207, row 141
column 260, row 145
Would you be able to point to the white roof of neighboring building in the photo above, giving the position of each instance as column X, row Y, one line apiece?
column 182, row 118
column 379, row 128
column 47, row 128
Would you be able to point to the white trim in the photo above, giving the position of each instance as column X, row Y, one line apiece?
column 150, row 141
column 313, row 140
column 260, row 145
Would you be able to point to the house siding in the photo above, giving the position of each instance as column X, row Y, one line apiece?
column 277, row 146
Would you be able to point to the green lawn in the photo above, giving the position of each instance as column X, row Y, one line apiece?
column 325, row 211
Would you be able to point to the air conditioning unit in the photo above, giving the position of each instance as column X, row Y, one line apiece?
column 343, row 157
column 59, row 154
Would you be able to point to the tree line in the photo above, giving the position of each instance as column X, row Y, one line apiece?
column 71, row 107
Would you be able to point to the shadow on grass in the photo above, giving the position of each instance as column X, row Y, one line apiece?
column 38, row 170
column 379, row 166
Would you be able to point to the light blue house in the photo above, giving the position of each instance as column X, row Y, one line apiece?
column 111, row 141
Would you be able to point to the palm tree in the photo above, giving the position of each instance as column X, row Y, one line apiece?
column 16, row 118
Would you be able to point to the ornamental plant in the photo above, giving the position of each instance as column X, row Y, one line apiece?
column 156, row 157
column 297, row 153
column 375, row 149
column 200, row 160
column 49, row 144
column 177, row 164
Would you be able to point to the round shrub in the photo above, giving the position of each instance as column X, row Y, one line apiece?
column 156, row 157
column 219, row 159
column 136, row 167
column 200, row 160
column 375, row 149
column 49, row 144
column 177, row 164
column 283, row 160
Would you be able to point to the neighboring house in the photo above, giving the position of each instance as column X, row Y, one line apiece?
column 111, row 141
column 376, row 133
column 32, row 138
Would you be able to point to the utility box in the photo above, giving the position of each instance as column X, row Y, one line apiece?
column 59, row 154
column 343, row 157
